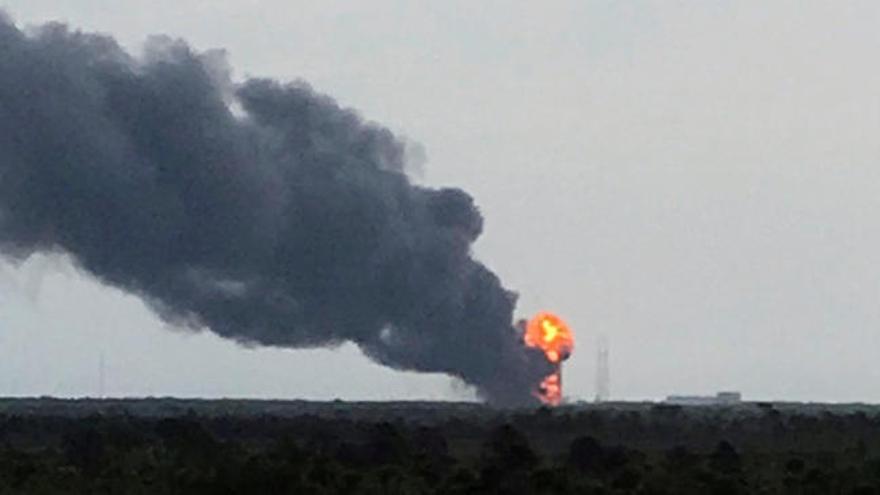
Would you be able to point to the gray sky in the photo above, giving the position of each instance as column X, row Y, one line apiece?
column 699, row 181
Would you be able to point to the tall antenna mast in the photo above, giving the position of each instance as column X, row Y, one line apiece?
column 603, row 375
column 101, row 375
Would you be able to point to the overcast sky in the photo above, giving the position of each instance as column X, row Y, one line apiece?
column 698, row 181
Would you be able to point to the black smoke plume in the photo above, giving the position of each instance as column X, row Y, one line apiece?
column 259, row 210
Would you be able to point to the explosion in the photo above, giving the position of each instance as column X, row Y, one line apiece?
column 549, row 333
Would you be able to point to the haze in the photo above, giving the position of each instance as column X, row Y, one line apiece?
column 697, row 181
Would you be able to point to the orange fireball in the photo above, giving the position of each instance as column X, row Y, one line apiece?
column 549, row 333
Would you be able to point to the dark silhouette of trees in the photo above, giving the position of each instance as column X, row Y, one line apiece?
column 507, row 448
column 168, row 449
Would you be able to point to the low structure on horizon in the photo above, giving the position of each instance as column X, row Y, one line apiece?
column 719, row 399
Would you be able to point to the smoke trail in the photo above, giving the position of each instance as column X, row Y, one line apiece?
column 289, row 223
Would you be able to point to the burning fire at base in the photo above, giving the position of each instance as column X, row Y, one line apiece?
column 549, row 333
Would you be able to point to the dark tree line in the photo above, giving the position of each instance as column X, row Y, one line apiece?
column 648, row 450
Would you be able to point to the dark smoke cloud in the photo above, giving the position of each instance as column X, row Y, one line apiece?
column 287, row 221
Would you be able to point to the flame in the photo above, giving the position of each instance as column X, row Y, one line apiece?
column 549, row 333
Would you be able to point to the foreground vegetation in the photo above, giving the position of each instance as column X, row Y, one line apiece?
column 224, row 447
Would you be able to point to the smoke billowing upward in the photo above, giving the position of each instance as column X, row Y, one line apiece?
column 288, row 222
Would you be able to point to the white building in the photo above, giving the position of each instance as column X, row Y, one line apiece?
column 719, row 399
